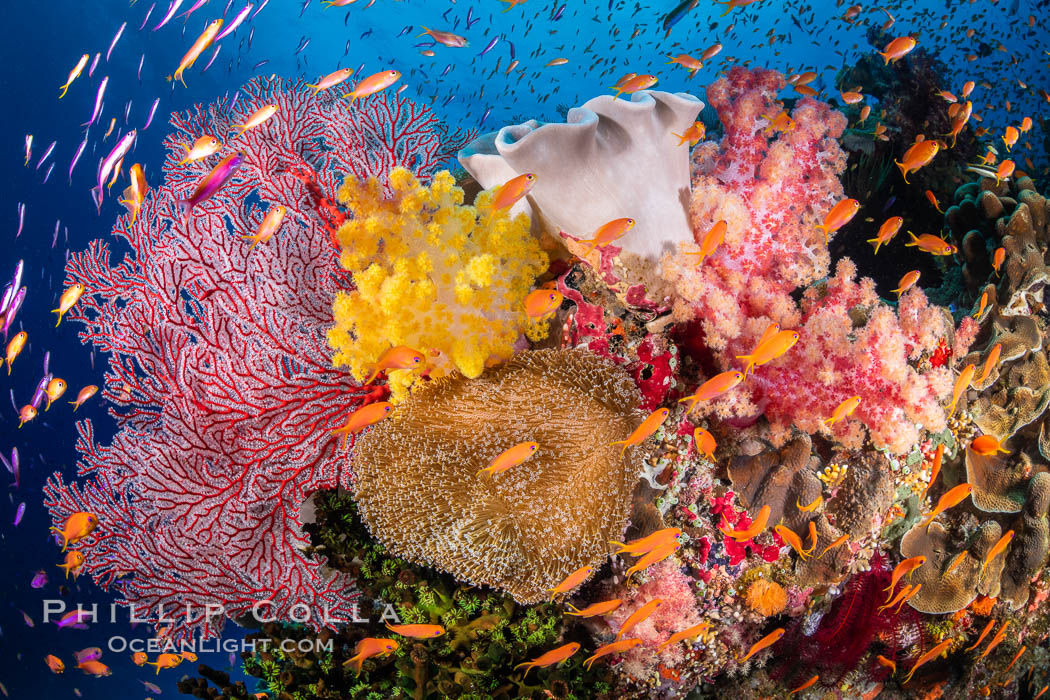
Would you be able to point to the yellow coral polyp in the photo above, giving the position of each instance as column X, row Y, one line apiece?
column 444, row 278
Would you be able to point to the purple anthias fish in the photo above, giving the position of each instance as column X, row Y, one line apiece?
column 12, row 311
column 39, row 579
column 152, row 111
column 235, row 22
column 88, row 654
column 172, row 9
column 212, row 182
column 94, row 64
column 109, row 163
column 74, row 619
column 116, row 38
column 148, row 13
column 41, row 391
column 98, row 101
column 20, row 512
column 6, row 299
column 76, row 157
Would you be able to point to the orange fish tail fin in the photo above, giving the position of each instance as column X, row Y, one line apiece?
column 729, row 7
column 621, row 545
column 59, row 531
column 345, row 432
column 877, row 243
column 885, row 56
column 425, row 31
column 904, row 171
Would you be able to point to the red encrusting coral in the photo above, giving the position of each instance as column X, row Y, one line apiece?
column 220, row 377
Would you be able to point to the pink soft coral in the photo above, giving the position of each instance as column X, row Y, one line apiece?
column 678, row 612
column 773, row 190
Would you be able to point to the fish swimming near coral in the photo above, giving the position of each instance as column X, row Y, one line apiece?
column 638, row 616
column 367, row 648
column 648, row 543
column 572, row 581
column 595, row 609
column 684, row 635
column 644, row 431
column 767, row 641
column 554, row 656
column 617, row 647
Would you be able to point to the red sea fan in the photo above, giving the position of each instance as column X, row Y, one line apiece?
column 220, row 378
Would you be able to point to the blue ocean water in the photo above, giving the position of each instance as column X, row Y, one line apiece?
column 601, row 40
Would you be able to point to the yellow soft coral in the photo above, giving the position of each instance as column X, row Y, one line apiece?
column 446, row 279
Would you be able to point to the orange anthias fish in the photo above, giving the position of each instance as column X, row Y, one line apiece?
column 686, row 634
column 705, row 443
column 761, row 644
column 1005, row 170
column 962, row 383
column 997, row 548
column 839, row 216
column 542, row 302
column 84, row 394
column 571, row 581
column 935, row 468
column 887, row 231
column 398, row 357
column 257, row 118
column 843, row 410
column 332, row 79
column 981, row 306
column 990, row 363
column 693, row 135
column 897, row 49
column 54, row 390
column 805, row 685
column 987, row 445
column 510, row 458
column 905, row 568
column 951, row 498
column 513, row 190
column 851, row 98
column 417, row 631
column 812, row 506
column 74, row 74
column 789, row 536
column 716, row 385
column 935, row 245
column 270, row 225
column 998, row 257
column 781, row 121
column 959, row 559
column 638, row 615
column 757, row 525
column 770, row 349
column 984, row 633
column 883, row 661
column 139, row 658
column 994, row 641
column 1010, row 136
column 920, row 154
column 607, row 233
column 362, row 418
column 373, row 84
column 203, row 42
column 648, row 544
column 54, row 663
column 644, row 431
column 617, row 647
column 906, row 283
column 26, row 414
column 655, row 556
column 94, row 667
column 202, row 148
column 684, row 59
column 603, row 608
column 73, row 561
column 135, row 193
column 14, row 347
column 77, row 526
column 67, row 301
column 634, row 84
column 712, row 239
column 838, row 541
column 454, row 41
column 929, row 656
column 165, row 661
column 368, row 648
column 552, row 657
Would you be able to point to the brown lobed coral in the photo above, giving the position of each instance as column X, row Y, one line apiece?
column 525, row 529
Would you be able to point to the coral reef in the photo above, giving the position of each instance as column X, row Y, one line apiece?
column 445, row 279
column 219, row 376
column 525, row 529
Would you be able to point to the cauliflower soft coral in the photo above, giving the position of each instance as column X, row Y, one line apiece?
column 430, row 273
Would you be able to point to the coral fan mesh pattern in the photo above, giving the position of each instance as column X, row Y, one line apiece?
column 525, row 529
column 219, row 378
